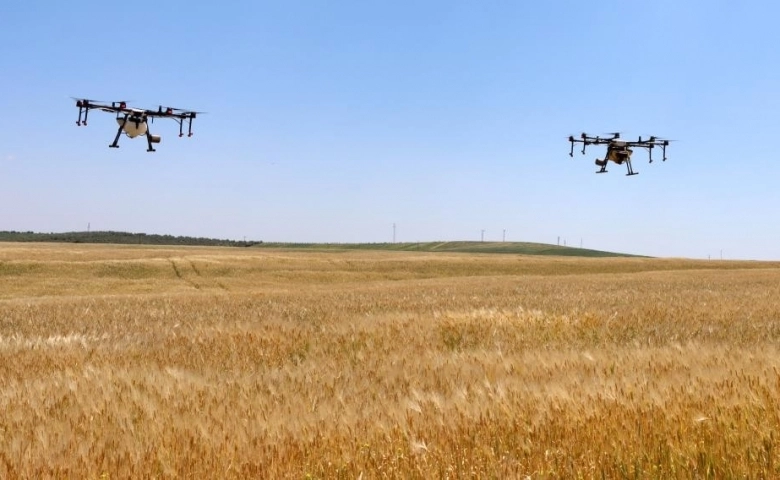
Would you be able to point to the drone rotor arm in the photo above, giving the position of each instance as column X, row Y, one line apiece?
column 179, row 115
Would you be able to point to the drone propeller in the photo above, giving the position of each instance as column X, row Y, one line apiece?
column 614, row 134
column 120, row 103
column 88, row 100
column 172, row 110
column 654, row 138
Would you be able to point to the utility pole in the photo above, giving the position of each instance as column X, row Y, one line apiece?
column 559, row 240
column 393, row 232
column 88, row 227
column 503, row 237
column 482, row 238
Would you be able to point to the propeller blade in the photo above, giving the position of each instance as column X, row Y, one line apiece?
column 90, row 100
column 184, row 110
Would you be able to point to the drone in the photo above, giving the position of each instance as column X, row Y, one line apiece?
column 135, row 122
column 618, row 150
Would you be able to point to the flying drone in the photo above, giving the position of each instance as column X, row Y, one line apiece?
column 134, row 121
column 618, row 150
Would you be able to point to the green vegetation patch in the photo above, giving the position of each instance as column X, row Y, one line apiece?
column 518, row 248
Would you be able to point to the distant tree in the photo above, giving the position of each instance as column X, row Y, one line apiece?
column 119, row 238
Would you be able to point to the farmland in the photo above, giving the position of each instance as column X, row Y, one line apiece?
column 144, row 362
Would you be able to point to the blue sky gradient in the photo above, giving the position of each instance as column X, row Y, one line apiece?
column 331, row 121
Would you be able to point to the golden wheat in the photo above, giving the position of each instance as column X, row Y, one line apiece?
column 152, row 362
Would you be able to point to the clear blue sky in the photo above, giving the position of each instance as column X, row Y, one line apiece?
column 331, row 121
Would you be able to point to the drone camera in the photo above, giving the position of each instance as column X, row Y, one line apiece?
column 155, row 138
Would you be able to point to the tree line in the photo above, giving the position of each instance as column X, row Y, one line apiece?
column 121, row 238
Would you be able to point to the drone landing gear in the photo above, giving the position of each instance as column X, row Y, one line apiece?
column 602, row 164
column 149, row 140
column 189, row 126
column 630, row 169
column 81, row 122
column 119, row 132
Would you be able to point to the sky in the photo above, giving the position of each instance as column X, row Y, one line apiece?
column 334, row 121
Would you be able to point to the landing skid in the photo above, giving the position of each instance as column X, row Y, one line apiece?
column 149, row 140
column 603, row 165
column 630, row 169
column 115, row 144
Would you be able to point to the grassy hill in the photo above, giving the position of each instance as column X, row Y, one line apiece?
column 521, row 248
column 126, row 238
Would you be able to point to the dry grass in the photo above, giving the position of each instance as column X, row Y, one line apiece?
column 210, row 363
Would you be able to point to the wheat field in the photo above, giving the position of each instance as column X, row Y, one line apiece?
column 187, row 362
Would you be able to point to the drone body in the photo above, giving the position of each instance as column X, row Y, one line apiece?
column 134, row 122
column 619, row 151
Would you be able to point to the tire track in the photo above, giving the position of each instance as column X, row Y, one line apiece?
column 181, row 277
column 195, row 279
column 194, row 268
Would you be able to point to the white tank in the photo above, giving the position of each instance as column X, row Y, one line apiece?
column 131, row 129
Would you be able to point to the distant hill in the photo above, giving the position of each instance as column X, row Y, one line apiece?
column 521, row 248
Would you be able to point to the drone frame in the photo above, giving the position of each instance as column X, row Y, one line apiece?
column 619, row 150
column 124, row 114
